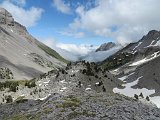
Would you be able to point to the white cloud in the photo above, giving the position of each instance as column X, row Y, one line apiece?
column 70, row 51
column 100, row 55
column 19, row 2
column 27, row 17
column 122, row 20
column 61, row 6
column 80, row 52
column 76, row 49
column 73, row 34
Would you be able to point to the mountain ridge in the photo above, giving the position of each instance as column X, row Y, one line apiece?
column 23, row 51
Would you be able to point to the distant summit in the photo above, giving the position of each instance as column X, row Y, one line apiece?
column 106, row 46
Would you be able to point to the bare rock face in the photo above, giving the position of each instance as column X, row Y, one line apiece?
column 6, row 17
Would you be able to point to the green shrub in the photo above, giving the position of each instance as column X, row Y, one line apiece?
column 147, row 98
column 8, row 99
column 12, row 85
column 136, row 96
column 30, row 84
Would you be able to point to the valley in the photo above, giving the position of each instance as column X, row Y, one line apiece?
column 111, row 81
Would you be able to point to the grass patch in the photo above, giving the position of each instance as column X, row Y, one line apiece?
column 75, row 114
column 24, row 117
column 17, row 117
column 69, row 103
column 13, row 85
column 47, row 110
column 21, row 99
column 52, row 53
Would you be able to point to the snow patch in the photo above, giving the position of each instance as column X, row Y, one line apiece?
column 137, row 45
column 46, row 82
column 44, row 97
column 97, row 83
column 145, row 60
column 22, row 95
column 152, row 42
column 63, row 81
column 123, row 78
column 156, row 100
column 75, row 71
column 88, row 89
column 116, row 70
column 129, row 91
column 64, row 88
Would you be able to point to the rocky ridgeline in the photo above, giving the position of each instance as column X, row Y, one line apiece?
column 6, row 17
column 6, row 20
column 81, row 91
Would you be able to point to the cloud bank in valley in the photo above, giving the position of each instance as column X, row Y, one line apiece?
column 80, row 52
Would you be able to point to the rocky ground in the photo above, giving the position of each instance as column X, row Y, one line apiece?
column 81, row 106
column 81, row 91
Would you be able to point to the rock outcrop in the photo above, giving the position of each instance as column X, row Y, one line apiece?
column 6, row 17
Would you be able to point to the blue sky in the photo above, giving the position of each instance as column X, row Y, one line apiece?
column 73, row 25
column 53, row 22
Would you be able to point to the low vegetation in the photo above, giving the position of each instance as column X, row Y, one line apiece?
column 52, row 53
column 69, row 103
column 13, row 85
column 75, row 114
column 21, row 99
column 6, row 73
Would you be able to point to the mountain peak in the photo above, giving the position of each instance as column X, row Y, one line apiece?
column 152, row 32
column 106, row 46
column 6, row 17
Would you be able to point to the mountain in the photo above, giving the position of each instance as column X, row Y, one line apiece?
column 21, row 54
column 81, row 91
column 147, row 46
column 101, row 53
column 137, row 64
column 106, row 46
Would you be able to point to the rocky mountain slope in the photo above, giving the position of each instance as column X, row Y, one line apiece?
column 81, row 91
column 21, row 53
column 133, row 52
column 138, row 64
column 79, row 77
column 106, row 46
